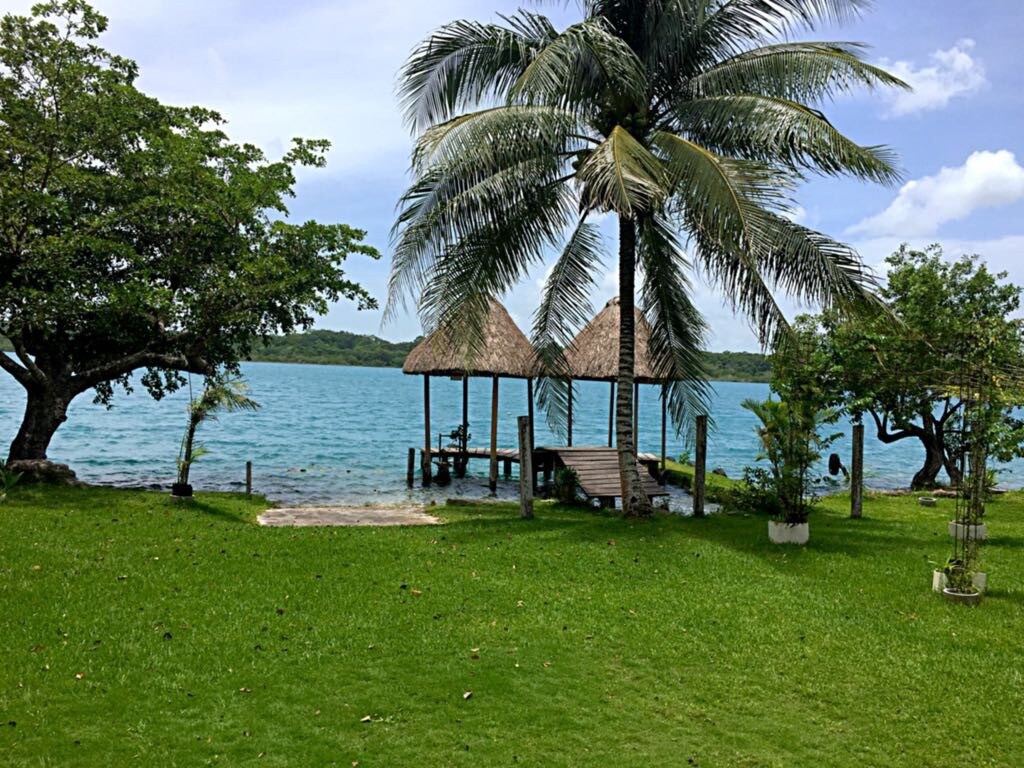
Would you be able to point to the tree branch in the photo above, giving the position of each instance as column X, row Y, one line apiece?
column 34, row 370
column 21, row 375
column 882, row 427
column 145, row 359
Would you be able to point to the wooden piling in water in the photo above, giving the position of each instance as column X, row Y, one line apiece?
column 410, row 469
column 425, row 459
column 494, row 436
column 248, row 479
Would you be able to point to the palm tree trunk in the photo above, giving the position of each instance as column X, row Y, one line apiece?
column 634, row 500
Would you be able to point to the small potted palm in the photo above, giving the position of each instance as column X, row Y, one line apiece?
column 221, row 395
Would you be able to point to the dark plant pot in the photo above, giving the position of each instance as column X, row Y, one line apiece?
column 963, row 598
column 181, row 490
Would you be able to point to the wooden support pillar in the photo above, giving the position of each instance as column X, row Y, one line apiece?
column 425, row 465
column 611, row 412
column 700, row 466
column 465, row 407
column 664, row 433
column 248, row 479
column 526, row 466
column 410, row 469
column 529, row 411
column 636, row 416
column 857, row 472
column 494, row 436
column 506, row 468
column 570, row 414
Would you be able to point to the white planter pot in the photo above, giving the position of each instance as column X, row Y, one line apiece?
column 940, row 581
column 959, row 531
column 788, row 533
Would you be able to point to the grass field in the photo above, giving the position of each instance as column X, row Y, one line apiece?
column 139, row 632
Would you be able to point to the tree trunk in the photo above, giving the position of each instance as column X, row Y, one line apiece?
column 634, row 500
column 934, row 462
column 45, row 410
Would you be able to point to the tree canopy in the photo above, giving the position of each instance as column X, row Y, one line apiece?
column 952, row 331
column 135, row 235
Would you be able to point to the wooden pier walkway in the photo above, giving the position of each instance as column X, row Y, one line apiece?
column 598, row 471
column 596, row 466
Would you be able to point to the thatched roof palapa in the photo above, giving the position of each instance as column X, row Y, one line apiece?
column 506, row 352
column 594, row 353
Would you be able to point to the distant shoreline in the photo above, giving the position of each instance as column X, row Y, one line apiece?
column 323, row 363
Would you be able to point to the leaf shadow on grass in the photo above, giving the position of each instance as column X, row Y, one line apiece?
column 212, row 511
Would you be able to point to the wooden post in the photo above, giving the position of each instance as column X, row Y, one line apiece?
column 529, row 410
column 465, row 406
column 248, row 479
column 700, row 466
column 664, row 434
column 526, row 467
column 611, row 412
column 857, row 473
column 410, row 469
column 636, row 416
column 425, row 458
column 494, row 436
column 570, row 413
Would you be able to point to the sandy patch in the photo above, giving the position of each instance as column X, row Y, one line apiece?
column 315, row 517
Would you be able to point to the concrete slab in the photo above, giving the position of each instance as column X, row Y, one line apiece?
column 319, row 517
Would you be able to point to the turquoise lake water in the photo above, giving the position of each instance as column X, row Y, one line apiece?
column 339, row 434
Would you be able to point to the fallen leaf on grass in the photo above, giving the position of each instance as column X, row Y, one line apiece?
column 79, row 675
column 416, row 593
column 367, row 719
column 245, row 690
column 467, row 695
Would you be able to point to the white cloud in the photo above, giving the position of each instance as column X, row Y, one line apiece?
column 985, row 180
column 953, row 72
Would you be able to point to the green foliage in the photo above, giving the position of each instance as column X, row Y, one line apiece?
column 791, row 443
column 172, row 620
column 333, row 348
column 950, row 334
column 135, row 234
column 222, row 394
column 565, row 484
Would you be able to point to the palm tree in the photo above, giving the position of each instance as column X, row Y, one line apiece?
column 687, row 120
column 221, row 395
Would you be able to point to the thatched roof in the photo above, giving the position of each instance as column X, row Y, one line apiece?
column 594, row 353
column 506, row 352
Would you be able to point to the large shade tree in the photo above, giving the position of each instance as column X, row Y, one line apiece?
column 957, row 338
column 135, row 235
column 687, row 120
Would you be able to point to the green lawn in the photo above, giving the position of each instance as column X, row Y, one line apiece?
column 139, row 632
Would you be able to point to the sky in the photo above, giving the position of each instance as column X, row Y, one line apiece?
column 328, row 69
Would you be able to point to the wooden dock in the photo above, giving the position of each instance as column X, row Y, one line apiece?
column 598, row 471
column 596, row 466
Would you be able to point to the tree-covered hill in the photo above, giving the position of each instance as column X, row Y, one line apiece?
column 343, row 348
column 333, row 348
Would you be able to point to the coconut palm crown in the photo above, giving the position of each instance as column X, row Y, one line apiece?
column 687, row 120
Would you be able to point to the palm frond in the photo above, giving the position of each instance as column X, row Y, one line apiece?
column 716, row 190
column 622, row 175
column 802, row 71
column 565, row 308
column 776, row 130
column 578, row 66
column 678, row 330
column 465, row 62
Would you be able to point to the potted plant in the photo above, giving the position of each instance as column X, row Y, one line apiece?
column 791, row 444
column 941, row 580
column 960, row 586
column 564, row 486
column 219, row 396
